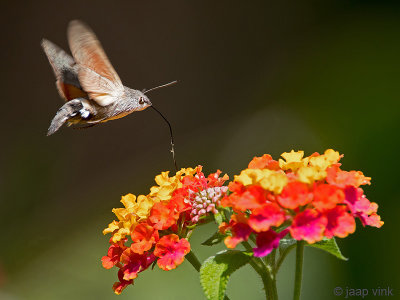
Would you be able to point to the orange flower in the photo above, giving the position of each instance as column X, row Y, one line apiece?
column 262, row 218
column 171, row 251
column 264, row 162
column 327, row 196
column 163, row 216
column 295, row 194
column 144, row 237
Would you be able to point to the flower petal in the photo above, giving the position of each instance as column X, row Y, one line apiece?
column 171, row 251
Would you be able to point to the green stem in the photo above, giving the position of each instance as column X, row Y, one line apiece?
column 282, row 257
column 264, row 278
column 265, row 273
column 194, row 261
column 274, row 289
column 271, row 258
column 299, row 270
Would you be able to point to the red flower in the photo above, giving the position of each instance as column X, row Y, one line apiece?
column 267, row 241
column 295, row 194
column 262, row 218
column 253, row 197
column 120, row 285
column 236, row 187
column 239, row 228
column 327, row 196
column 113, row 256
column 214, row 179
column 134, row 263
column 163, row 216
column 340, row 222
column 144, row 237
column 171, row 251
column 308, row 225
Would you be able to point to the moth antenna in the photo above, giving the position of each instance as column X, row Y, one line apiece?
column 170, row 130
column 160, row 86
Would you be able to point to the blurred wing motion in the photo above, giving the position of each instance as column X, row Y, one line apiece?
column 96, row 74
column 65, row 70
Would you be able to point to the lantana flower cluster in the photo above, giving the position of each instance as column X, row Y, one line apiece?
column 310, row 198
column 154, row 228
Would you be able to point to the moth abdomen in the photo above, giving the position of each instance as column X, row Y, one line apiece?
column 73, row 111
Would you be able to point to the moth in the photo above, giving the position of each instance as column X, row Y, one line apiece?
column 89, row 84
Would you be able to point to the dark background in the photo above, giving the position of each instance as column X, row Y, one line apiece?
column 261, row 77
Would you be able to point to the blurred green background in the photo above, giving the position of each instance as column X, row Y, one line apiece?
column 261, row 77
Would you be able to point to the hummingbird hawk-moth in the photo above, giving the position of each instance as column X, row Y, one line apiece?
column 89, row 84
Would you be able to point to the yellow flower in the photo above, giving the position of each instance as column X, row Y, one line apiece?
column 118, row 229
column 293, row 160
column 137, row 209
column 324, row 161
column 316, row 170
column 167, row 185
column 114, row 225
column 270, row 180
column 310, row 174
column 274, row 182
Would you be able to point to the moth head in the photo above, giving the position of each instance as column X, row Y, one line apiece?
column 142, row 101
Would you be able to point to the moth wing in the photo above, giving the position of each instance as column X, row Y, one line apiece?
column 96, row 74
column 65, row 70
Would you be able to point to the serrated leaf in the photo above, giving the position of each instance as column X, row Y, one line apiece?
column 216, row 238
column 330, row 246
column 216, row 270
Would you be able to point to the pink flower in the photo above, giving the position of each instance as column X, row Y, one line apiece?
column 268, row 240
column 134, row 263
column 239, row 228
column 308, row 225
column 362, row 208
column 340, row 222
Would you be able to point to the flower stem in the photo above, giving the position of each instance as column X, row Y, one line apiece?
column 194, row 261
column 266, row 274
column 299, row 270
column 264, row 278
column 282, row 257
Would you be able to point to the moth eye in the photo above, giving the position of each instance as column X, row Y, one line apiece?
column 141, row 100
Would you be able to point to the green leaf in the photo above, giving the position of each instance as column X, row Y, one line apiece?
column 216, row 238
column 330, row 246
column 216, row 270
